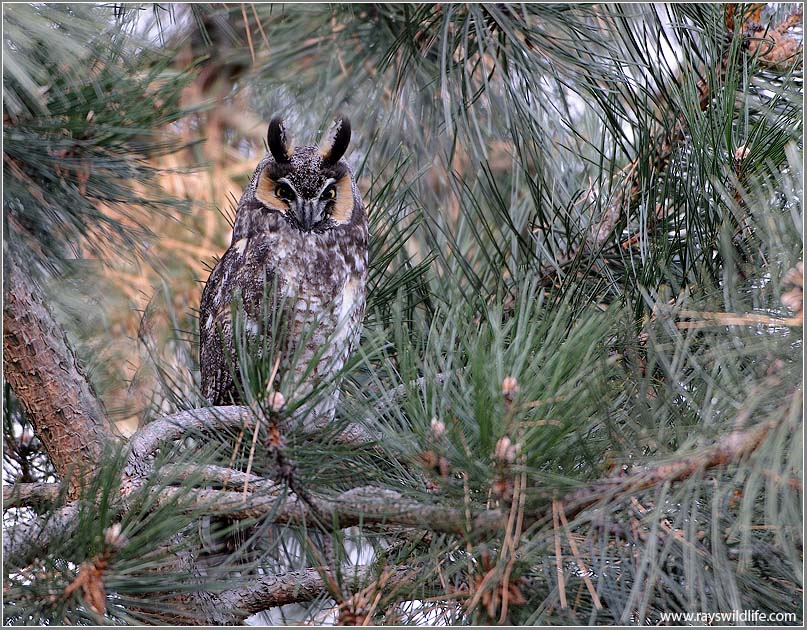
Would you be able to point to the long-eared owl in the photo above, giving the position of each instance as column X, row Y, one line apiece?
column 292, row 284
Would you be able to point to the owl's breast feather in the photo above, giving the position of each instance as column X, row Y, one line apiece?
column 349, row 294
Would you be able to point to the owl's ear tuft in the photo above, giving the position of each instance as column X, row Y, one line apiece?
column 278, row 140
column 334, row 144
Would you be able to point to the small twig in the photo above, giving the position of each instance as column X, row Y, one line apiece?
column 580, row 563
column 237, row 447
column 558, row 555
column 490, row 576
column 258, row 415
column 251, row 457
column 517, row 508
column 707, row 319
column 260, row 26
column 249, row 34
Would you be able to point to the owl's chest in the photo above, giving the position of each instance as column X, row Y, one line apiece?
column 310, row 282
column 306, row 268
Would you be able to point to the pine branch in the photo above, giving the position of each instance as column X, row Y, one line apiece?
column 664, row 142
column 44, row 373
column 729, row 449
column 780, row 49
column 146, row 441
column 372, row 507
column 29, row 494
column 296, row 587
column 25, row 541
column 369, row 506
column 380, row 507
column 206, row 474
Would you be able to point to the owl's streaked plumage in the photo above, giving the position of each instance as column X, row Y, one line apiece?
column 297, row 263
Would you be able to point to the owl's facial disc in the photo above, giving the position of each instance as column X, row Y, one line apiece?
column 309, row 214
column 312, row 195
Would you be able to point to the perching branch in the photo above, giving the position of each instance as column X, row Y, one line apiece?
column 147, row 440
column 378, row 507
column 207, row 474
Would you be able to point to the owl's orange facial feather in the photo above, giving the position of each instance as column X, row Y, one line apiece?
column 270, row 193
column 343, row 205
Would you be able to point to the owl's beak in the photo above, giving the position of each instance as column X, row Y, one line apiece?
column 308, row 212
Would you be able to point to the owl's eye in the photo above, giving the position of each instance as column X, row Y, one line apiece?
column 329, row 194
column 284, row 192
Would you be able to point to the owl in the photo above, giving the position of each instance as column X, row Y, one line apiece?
column 291, row 287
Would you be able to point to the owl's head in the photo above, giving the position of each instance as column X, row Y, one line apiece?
column 311, row 187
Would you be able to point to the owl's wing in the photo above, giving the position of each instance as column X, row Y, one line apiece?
column 243, row 277
column 214, row 329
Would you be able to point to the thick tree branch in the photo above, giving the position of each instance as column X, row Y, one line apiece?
column 44, row 373
column 30, row 538
column 304, row 586
column 26, row 494
column 147, row 440
column 377, row 507
column 369, row 506
column 206, row 474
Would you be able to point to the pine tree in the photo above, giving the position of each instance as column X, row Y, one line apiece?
column 578, row 395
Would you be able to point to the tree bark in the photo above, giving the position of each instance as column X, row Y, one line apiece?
column 30, row 494
column 148, row 438
column 44, row 373
column 294, row 587
column 368, row 506
column 30, row 538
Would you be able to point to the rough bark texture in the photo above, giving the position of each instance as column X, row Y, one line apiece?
column 30, row 538
column 293, row 587
column 43, row 371
column 369, row 506
column 147, row 439
column 28, row 494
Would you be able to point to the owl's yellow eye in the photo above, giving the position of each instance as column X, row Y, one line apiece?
column 329, row 194
column 283, row 192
